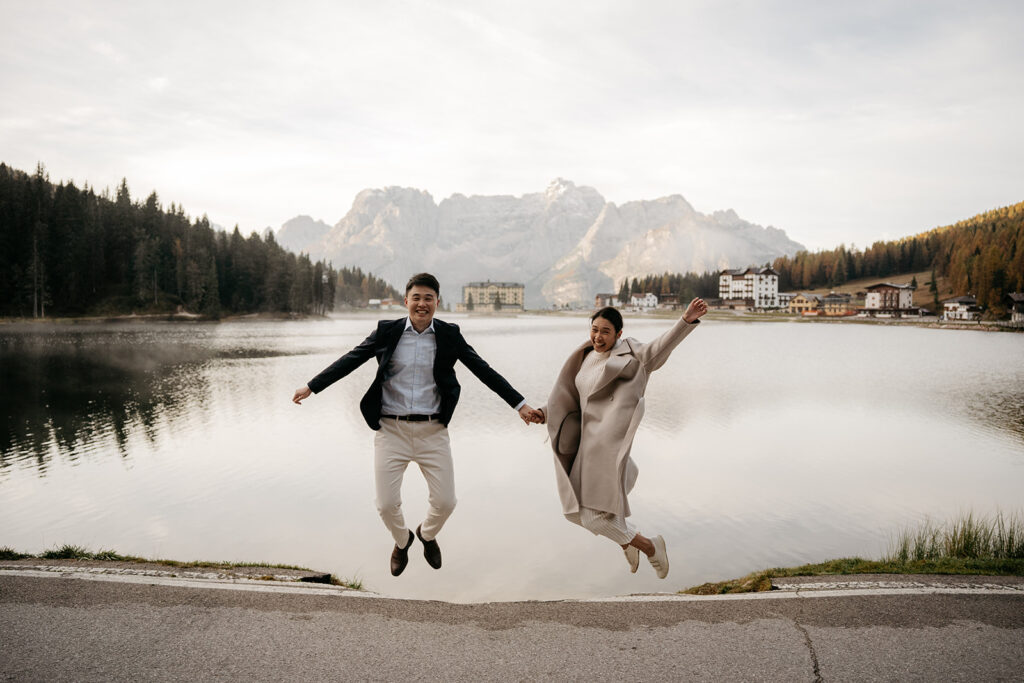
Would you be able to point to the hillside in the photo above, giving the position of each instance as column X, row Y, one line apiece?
column 922, row 295
column 982, row 256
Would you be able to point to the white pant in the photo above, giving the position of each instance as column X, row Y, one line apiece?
column 606, row 524
column 395, row 445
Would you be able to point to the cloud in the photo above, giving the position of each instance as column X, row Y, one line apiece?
column 105, row 49
column 834, row 121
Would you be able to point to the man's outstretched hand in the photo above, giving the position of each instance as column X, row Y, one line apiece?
column 301, row 395
column 529, row 415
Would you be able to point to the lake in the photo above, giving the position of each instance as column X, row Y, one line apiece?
column 764, row 444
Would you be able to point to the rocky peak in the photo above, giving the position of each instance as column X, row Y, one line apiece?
column 301, row 233
column 564, row 243
column 557, row 187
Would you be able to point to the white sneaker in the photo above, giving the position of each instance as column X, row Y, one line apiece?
column 633, row 557
column 659, row 560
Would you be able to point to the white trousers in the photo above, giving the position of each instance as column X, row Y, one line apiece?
column 606, row 524
column 395, row 445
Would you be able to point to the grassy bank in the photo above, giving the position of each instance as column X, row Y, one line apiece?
column 74, row 552
column 992, row 546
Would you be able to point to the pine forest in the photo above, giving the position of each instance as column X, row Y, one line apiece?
column 982, row 256
column 66, row 251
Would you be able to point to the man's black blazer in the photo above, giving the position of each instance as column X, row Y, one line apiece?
column 451, row 346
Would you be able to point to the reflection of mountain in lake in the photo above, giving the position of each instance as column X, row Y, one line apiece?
column 67, row 395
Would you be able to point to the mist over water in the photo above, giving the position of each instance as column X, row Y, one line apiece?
column 763, row 445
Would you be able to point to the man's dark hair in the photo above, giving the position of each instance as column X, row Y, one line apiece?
column 612, row 315
column 424, row 280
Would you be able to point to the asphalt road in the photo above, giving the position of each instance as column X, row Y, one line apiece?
column 67, row 628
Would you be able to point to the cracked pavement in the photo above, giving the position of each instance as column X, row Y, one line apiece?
column 85, row 626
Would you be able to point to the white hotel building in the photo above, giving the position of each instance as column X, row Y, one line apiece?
column 756, row 287
column 886, row 300
column 491, row 296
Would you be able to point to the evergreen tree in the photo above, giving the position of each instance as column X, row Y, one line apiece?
column 65, row 251
column 211, row 290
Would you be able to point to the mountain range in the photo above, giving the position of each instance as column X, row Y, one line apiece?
column 565, row 244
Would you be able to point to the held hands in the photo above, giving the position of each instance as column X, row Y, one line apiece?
column 531, row 415
column 301, row 395
column 696, row 309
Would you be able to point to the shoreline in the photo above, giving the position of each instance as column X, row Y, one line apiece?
column 179, row 318
column 712, row 315
column 854, row 571
column 928, row 322
column 275, row 578
column 77, row 559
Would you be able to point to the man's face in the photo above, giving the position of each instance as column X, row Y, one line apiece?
column 421, row 302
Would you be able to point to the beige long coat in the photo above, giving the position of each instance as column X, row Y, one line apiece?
column 592, row 463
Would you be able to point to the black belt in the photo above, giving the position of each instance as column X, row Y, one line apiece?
column 414, row 418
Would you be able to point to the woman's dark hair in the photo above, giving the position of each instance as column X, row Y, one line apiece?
column 612, row 315
column 424, row 280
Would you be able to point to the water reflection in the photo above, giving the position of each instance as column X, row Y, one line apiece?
column 71, row 393
column 762, row 445
column 996, row 410
column 63, row 395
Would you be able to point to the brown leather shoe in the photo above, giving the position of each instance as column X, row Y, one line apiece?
column 400, row 557
column 431, row 550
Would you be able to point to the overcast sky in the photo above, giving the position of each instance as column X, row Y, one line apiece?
column 839, row 122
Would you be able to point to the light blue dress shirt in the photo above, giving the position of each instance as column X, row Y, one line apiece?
column 409, row 387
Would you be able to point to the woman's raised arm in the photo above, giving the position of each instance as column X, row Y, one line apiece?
column 654, row 354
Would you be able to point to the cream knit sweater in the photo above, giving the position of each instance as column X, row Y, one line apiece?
column 590, row 372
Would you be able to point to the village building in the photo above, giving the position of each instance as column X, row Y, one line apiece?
column 758, row 288
column 605, row 299
column 805, row 304
column 961, row 308
column 1015, row 306
column 643, row 302
column 491, row 296
column 886, row 300
column 785, row 298
column 386, row 304
column 668, row 302
column 837, row 304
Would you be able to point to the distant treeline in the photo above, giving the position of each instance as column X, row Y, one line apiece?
column 685, row 286
column 67, row 251
column 356, row 288
column 982, row 256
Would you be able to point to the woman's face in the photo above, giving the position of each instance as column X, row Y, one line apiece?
column 603, row 334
